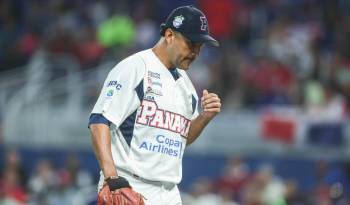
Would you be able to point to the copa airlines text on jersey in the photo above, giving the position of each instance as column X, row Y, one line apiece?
column 152, row 116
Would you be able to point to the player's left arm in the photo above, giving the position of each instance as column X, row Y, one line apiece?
column 211, row 106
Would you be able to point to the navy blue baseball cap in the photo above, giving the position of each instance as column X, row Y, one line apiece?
column 190, row 22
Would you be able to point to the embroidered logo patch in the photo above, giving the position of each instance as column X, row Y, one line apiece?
column 178, row 21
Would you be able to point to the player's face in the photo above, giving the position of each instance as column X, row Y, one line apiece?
column 185, row 51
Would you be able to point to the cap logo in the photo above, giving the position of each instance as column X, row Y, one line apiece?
column 204, row 25
column 178, row 21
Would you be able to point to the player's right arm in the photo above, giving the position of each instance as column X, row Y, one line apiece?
column 101, row 142
column 118, row 99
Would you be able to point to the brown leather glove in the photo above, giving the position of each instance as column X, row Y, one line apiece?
column 117, row 191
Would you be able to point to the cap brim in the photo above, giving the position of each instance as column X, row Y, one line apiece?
column 203, row 38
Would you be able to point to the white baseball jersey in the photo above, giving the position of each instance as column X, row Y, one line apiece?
column 150, row 111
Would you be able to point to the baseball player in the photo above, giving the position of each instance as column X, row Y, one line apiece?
column 147, row 112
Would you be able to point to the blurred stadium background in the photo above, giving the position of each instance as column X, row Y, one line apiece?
column 283, row 72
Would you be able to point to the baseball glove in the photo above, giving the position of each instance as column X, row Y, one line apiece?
column 118, row 192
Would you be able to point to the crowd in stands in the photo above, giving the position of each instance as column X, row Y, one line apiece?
column 272, row 52
column 46, row 184
column 238, row 181
column 239, row 184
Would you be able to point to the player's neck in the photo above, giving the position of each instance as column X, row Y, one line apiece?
column 160, row 52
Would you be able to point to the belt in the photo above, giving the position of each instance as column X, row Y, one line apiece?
column 166, row 185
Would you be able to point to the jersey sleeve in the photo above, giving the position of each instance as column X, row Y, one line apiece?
column 119, row 96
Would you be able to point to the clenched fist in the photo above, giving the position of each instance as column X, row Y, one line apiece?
column 211, row 104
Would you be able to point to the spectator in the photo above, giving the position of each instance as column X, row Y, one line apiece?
column 13, row 162
column 201, row 193
column 340, row 73
column 271, row 82
column 234, row 178
column 43, row 181
column 292, row 194
column 11, row 188
column 78, row 177
column 324, row 103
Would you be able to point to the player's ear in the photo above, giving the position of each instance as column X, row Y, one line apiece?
column 169, row 35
